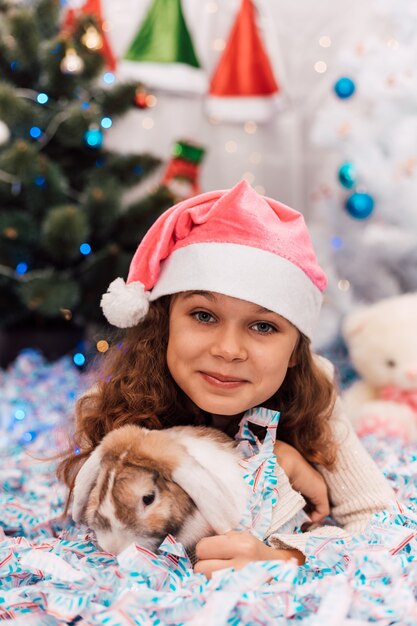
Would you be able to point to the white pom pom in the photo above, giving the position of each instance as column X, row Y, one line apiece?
column 125, row 305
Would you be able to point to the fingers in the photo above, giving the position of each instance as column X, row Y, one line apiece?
column 209, row 566
column 317, row 513
column 320, row 511
column 218, row 547
column 318, row 500
column 317, row 510
column 316, row 516
column 321, row 506
column 231, row 546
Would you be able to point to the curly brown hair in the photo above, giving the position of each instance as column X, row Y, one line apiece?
column 136, row 387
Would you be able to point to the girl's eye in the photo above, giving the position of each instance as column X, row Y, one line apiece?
column 264, row 328
column 203, row 316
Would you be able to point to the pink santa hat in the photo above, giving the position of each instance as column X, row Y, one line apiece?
column 234, row 242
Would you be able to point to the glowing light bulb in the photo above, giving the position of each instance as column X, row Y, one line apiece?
column 92, row 39
column 93, row 136
column 40, row 181
column 148, row 123
column 337, row 243
column 106, row 122
column 343, row 285
column 320, row 67
column 109, row 78
column 35, row 132
column 79, row 359
column 249, row 176
column 102, row 345
column 250, row 127
column 325, row 41
column 85, row 248
column 66, row 314
column 219, row 45
column 151, row 100
column 72, row 63
column 42, row 98
column 10, row 232
column 21, row 268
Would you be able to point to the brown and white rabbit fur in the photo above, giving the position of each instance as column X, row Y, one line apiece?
column 139, row 485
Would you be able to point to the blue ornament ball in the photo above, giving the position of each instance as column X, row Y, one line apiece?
column 344, row 87
column 93, row 138
column 360, row 205
column 347, row 175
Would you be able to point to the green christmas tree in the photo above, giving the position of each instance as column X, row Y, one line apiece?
column 65, row 231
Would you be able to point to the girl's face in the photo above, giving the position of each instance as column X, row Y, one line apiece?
column 227, row 355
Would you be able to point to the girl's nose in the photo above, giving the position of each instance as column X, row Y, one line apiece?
column 229, row 345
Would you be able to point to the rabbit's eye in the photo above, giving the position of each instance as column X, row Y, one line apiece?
column 390, row 363
column 149, row 498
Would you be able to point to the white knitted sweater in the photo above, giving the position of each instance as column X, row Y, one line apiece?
column 356, row 488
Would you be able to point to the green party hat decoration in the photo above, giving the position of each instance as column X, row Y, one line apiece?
column 162, row 53
column 163, row 36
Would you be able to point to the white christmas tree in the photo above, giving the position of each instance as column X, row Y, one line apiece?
column 365, row 218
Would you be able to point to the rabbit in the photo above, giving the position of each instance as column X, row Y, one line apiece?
column 139, row 485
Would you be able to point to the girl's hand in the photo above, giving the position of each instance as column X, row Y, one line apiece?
column 305, row 479
column 237, row 549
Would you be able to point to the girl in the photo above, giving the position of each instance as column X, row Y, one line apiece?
column 220, row 302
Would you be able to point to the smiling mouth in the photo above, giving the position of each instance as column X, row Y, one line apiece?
column 222, row 381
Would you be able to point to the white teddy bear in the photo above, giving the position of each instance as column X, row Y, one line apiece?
column 382, row 343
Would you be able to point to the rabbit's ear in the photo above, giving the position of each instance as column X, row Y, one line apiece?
column 84, row 482
column 215, row 485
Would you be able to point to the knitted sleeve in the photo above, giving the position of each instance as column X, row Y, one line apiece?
column 356, row 487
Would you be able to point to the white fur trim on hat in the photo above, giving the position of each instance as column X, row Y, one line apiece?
column 241, row 109
column 125, row 305
column 177, row 77
column 246, row 273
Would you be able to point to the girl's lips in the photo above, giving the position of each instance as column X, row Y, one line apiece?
column 218, row 380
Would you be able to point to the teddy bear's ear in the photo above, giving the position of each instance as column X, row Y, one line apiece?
column 355, row 322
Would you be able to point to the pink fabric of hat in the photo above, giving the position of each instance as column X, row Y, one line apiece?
column 234, row 242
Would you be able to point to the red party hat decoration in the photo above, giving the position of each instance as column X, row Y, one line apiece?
column 243, row 86
column 94, row 40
